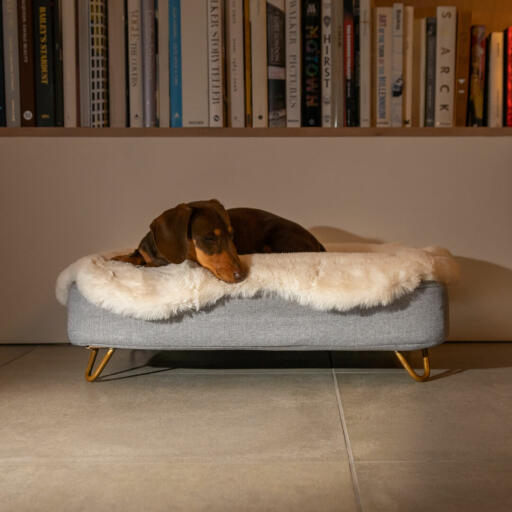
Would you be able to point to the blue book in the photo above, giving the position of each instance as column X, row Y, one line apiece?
column 3, row 119
column 175, row 64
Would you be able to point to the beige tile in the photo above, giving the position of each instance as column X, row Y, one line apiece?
column 9, row 353
column 48, row 409
column 462, row 417
column 168, row 486
column 441, row 486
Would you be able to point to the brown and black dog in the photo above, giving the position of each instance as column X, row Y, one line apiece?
column 204, row 232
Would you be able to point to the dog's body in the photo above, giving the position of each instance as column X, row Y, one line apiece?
column 203, row 231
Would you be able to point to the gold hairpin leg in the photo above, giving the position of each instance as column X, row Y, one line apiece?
column 92, row 358
column 410, row 371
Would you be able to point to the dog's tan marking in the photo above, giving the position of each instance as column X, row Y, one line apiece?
column 217, row 231
column 230, row 229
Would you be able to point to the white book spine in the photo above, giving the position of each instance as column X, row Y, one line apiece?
column 215, row 64
column 338, row 70
column 11, row 63
column 383, row 20
column 408, row 64
column 149, row 78
column 194, row 62
column 293, row 68
column 84, row 62
column 327, row 46
column 445, row 66
column 365, row 83
column 423, row 70
column 135, row 87
column 397, row 61
column 163, row 96
column 495, row 94
column 116, row 63
column 235, row 63
column 258, row 19
column 69, row 63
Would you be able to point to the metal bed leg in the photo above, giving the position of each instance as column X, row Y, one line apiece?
column 410, row 371
column 92, row 358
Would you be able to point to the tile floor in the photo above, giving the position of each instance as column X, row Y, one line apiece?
column 255, row 431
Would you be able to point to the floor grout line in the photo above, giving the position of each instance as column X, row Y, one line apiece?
column 351, row 462
column 18, row 357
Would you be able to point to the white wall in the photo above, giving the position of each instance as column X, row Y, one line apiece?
column 62, row 198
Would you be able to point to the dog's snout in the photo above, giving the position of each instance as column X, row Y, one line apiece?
column 238, row 276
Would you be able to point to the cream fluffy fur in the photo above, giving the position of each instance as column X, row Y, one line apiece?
column 348, row 275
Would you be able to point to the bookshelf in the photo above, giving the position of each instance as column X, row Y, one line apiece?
column 496, row 15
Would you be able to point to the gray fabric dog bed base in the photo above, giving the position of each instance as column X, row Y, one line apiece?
column 415, row 321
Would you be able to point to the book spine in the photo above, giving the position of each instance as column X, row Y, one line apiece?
column 135, row 86
column 163, row 100
column 175, row 76
column 84, row 63
column 69, row 64
column 276, row 59
column 495, row 89
column 293, row 75
column 311, row 63
column 194, row 62
column 99, row 63
column 26, row 65
column 235, row 63
column 338, row 71
column 477, row 76
column 357, row 60
column 365, row 80
column 507, row 102
column 397, row 62
column 3, row 120
column 418, row 74
column 445, row 66
column 327, row 46
column 349, row 64
column 247, row 64
column 383, row 20
column 408, row 64
column 148, row 64
column 215, row 64
column 117, row 63
column 423, row 71
column 258, row 11
column 11, row 63
column 462, row 67
column 430, row 75
column 45, row 63
column 58, row 59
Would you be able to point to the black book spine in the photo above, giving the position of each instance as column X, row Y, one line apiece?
column 311, row 63
column 430, row 86
column 349, row 63
column 26, row 59
column 276, row 61
column 44, row 62
column 3, row 118
column 59, row 80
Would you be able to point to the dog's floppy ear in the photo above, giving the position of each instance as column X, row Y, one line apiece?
column 170, row 233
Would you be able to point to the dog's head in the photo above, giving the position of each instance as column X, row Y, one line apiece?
column 200, row 231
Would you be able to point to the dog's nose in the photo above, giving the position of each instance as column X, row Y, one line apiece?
column 238, row 276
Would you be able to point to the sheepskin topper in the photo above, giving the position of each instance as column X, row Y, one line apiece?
column 347, row 276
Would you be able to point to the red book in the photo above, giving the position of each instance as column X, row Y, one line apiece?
column 349, row 65
column 507, row 103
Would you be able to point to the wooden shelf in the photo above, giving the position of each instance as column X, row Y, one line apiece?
column 255, row 132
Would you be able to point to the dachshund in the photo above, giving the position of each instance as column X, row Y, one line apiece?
column 204, row 232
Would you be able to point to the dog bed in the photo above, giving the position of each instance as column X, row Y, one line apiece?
column 354, row 297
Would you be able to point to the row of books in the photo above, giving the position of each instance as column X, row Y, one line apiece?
column 248, row 63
